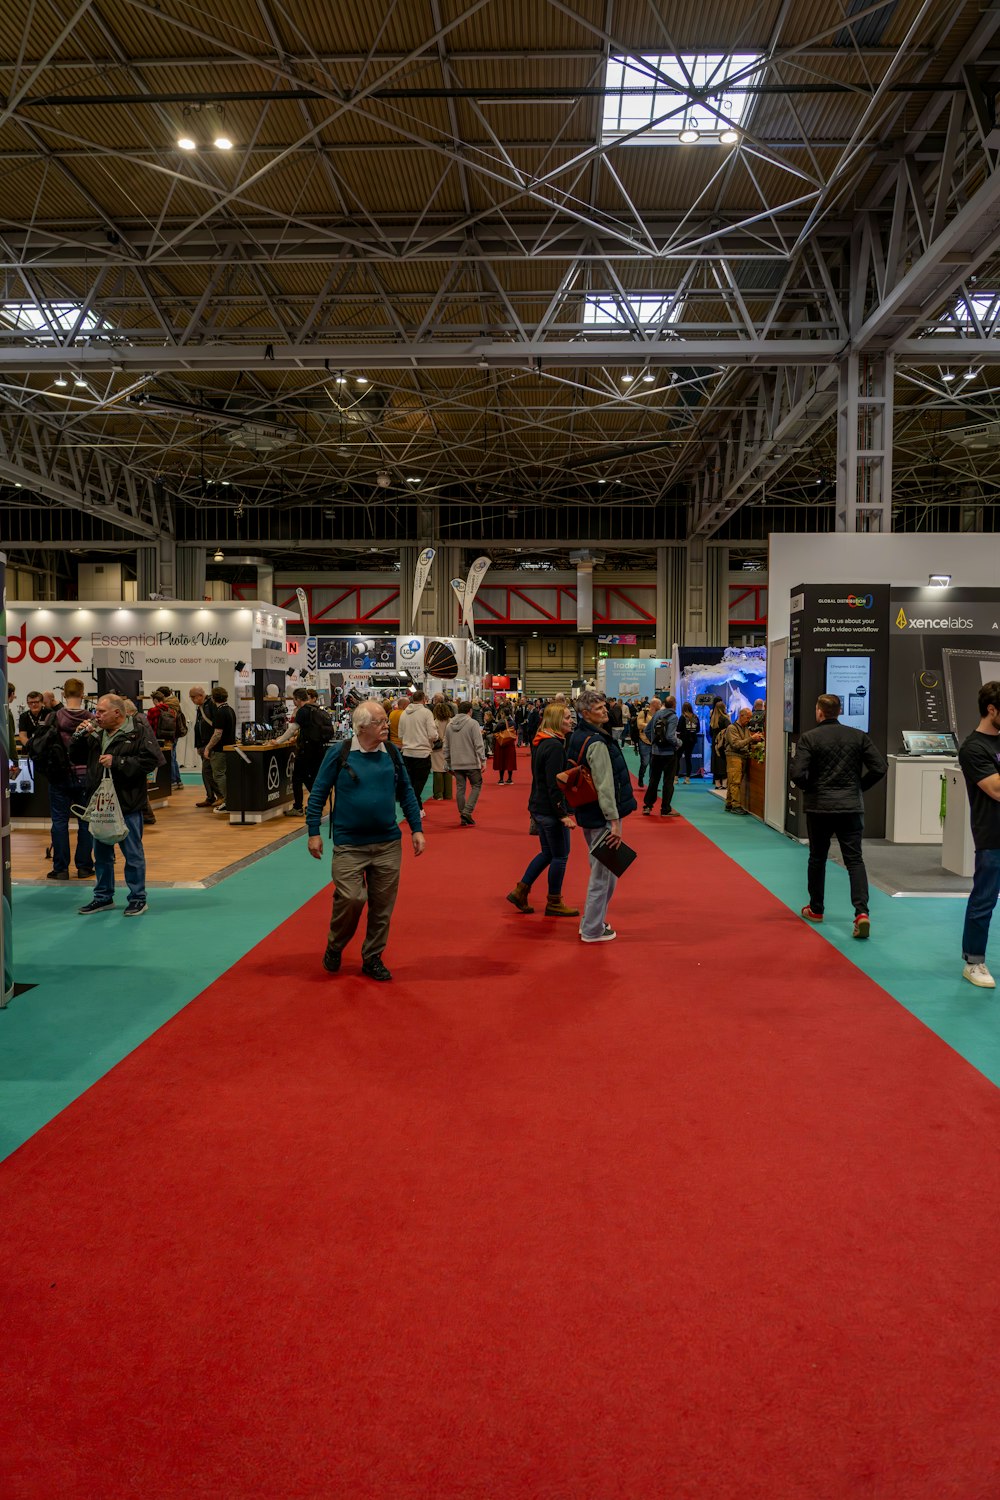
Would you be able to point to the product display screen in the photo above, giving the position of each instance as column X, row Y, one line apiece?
column 849, row 679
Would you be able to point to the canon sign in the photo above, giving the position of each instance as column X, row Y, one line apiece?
column 41, row 648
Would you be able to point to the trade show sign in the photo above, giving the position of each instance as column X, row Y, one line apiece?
column 943, row 645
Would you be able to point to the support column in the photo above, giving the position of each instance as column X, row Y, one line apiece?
column 706, row 612
column 662, row 645
column 190, row 573
column 522, row 663
column 407, row 567
column 864, row 443
column 584, row 597
column 167, row 558
column 265, row 582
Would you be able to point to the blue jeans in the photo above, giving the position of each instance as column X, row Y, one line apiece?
column 553, row 835
column 175, row 770
column 135, row 863
column 982, row 900
column 645, row 751
column 600, row 889
column 61, row 799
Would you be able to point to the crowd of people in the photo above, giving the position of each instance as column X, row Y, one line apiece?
column 579, row 780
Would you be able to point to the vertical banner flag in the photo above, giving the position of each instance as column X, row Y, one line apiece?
column 476, row 575
column 420, row 581
column 300, row 595
column 6, row 750
column 458, row 589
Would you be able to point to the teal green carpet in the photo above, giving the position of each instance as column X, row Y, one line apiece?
column 104, row 984
column 915, row 950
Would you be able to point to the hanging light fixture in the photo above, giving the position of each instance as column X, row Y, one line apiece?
column 688, row 136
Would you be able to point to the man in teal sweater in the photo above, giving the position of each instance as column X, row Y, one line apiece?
column 367, row 844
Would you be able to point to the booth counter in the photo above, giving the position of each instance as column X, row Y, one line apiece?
column 258, row 782
column 29, row 794
column 755, row 788
column 913, row 798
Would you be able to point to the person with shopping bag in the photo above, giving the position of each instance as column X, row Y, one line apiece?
column 121, row 749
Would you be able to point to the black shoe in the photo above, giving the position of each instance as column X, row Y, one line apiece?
column 149, row 817
column 57, row 875
column 468, row 822
column 95, row 906
column 331, row 959
column 134, row 908
column 86, row 874
column 646, row 812
column 375, row 969
column 294, row 812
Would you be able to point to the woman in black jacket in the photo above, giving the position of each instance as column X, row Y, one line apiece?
column 688, row 731
column 553, row 818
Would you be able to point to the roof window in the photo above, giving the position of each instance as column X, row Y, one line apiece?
column 666, row 100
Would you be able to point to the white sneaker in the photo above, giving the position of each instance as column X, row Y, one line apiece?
column 979, row 974
column 607, row 936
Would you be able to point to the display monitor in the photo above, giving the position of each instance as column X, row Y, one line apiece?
column 849, row 679
column 965, row 671
column 926, row 742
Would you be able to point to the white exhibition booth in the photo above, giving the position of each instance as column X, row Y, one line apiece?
column 179, row 644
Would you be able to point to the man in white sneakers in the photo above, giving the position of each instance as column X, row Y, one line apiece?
column 979, row 758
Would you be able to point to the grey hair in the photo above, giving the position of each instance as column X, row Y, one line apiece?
column 590, row 699
column 121, row 704
column 362, row 716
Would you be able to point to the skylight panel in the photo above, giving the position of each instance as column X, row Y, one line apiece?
column 648, row 310
column 669, row 100
column 985, row 308
column 52, row 319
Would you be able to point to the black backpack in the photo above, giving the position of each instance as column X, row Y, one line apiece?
column 319, row 730
column 399, row 770
column 660, row 736
column 48, row 752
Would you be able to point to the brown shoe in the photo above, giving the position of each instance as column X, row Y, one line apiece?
column 519, row 897
column 208, row 803
column 555, row 906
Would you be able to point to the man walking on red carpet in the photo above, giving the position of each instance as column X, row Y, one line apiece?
column 834, row 765
column 370, row 779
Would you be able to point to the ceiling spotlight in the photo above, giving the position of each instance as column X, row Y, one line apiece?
column 947, row 374
column 413, row 479
column 222, row 143
column 729, row 137
column 220, row 556
column 970, row 374
column 361, row 379
column 602, row 481
column 939, row 580
column 79, row 380
column 649, row 377
column 484, row 363
column 61, row 381
column 688, row 137
column 341, row 379
column 186, row 143
column 226, row 483
column 627, row 378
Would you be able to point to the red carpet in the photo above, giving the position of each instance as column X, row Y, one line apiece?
column 699, row 1213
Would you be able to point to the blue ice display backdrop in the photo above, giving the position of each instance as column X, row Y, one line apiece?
column 738, row 674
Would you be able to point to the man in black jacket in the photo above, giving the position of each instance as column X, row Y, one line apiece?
column 124, row 746
column 834, row 765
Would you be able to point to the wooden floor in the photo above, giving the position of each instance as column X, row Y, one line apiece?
column 186, row 846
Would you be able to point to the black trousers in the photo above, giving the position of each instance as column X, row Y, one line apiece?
column 848, row 828
column 308, row 759
column 664, row 766
column 418, row 768
column 212, row 792
column 687, row 756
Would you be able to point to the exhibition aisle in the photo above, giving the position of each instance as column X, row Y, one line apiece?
column 915, row 949
column 701, row 1211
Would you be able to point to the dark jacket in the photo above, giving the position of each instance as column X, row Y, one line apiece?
column 668, row 718
column 591, row 814
column 133, row 755
column 548, row 758
column 834, row 765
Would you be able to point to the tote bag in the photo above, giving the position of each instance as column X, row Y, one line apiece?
column 103, row 813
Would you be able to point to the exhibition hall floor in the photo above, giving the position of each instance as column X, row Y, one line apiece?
column 702, row 1211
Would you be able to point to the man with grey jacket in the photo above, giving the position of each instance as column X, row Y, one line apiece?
column 465, row 756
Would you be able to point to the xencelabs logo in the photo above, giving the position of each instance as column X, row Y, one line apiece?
column 933, row 622
column 901, row 619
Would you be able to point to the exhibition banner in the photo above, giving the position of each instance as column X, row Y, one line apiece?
column 458, row 589
column 300, row 595
column 476, row 575
column 944, row 644
column 420, row 578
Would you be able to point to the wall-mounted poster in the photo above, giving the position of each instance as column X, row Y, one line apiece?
column 354, row 653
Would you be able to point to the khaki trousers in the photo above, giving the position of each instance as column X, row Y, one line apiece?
column 217, row 762
column 364, row 872
column 735, row 784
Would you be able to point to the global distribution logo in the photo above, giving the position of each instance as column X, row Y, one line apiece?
column 860, row 601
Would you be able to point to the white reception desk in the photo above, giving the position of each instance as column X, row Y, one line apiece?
column 913, row 798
